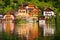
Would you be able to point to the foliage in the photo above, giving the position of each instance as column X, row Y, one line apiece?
column 7, row 8
column 21, row 20
column 39, row 3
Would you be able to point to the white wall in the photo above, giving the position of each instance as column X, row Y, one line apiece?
column 48, row 13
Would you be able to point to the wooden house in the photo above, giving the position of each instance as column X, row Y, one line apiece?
column 34, row 12
column 30, row 7
column 8, row 22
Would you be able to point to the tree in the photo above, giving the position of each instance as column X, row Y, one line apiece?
column 7, row 8
column 20, row 1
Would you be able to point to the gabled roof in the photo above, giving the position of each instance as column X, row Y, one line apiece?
column 24, row 5
column 48, row 9
column 31, row 5
column 35, row 11
column 21, row 8
column 42, row 18
column 11, row 12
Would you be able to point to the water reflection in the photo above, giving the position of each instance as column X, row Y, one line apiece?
column 28, row 30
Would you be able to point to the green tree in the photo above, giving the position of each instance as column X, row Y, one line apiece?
column 7, row 8
column 20, row 1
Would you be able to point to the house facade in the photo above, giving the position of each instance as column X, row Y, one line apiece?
column 8, row 22
column 22, row 13
column 42, row 21
column 48, row 12
column 33, row 11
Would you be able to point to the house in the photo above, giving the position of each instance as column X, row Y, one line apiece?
column 1, row 22
column 49, row 29
column 8, row 22
column 22, row 13
column 42, row 21
column 27, row 11
column 48, row 12
column 32, row 11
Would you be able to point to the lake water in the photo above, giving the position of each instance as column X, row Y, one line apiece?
column 29, row 30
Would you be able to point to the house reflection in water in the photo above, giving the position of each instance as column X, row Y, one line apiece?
column 8, row 22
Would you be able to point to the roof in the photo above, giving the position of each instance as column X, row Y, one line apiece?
column 31, row 5
column 11, row 12
column 30, row 9
column 25, row 5
column 35, row 11
column 48, row 9
column 21, row 8
column 42, row 18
